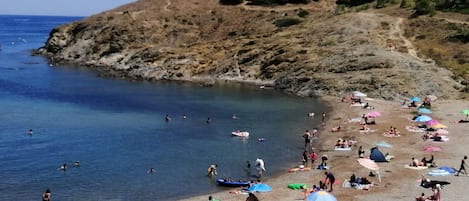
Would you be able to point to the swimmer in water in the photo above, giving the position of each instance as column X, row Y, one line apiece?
column 30, row 131
column 63, row 167
column 151, row 170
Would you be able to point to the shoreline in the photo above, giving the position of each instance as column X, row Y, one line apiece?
column 398, row 183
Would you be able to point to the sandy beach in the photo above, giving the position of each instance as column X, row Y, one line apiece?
column 397, row 182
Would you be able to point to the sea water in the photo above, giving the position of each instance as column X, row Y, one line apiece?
column 116, row 128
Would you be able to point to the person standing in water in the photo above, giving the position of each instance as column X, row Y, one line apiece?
column 167, row 118
column 260, row 167
column 46, row 195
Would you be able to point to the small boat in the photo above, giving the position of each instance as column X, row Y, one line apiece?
column 229, row 183
column 240, row 133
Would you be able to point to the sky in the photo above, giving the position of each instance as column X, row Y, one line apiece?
column 58, row 7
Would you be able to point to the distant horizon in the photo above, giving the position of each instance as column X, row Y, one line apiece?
column 64, row 8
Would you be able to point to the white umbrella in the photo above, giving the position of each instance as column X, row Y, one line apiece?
column 371, row 165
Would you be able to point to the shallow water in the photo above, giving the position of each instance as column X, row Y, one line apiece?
column 117, row 130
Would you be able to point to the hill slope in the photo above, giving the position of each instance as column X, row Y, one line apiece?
column 303, row 49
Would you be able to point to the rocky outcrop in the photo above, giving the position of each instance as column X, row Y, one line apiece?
column 199, row 40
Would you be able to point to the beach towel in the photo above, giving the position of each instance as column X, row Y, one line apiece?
column 416, row 168
column 296, row 186
column 367, row 131
column 390, row 135
column 355, row 120
column 342, row 149
column 414, row 129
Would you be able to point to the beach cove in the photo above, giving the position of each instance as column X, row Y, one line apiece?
column 398, row 183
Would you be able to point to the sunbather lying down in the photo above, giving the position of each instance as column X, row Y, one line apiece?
column 427, row 183
column 335, row 129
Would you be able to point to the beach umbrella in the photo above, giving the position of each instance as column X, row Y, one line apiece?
column 358, row 94
column 416, row 99
column 260, row 188
column 423, row 110
column 431, row 148
column 373, row 114
column 438, row 126
column 383, row 144
column 432, row 122
column 466, row 112
column 423, row 118
column 321, row 196
column 371, row 165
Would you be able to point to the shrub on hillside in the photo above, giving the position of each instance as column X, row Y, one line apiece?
column 303, row 13
column 353, row 2
column 406, row 4
column 460, row 36
column 286, row 22
column 277, row 2
column 231, row 2
column 424, row 7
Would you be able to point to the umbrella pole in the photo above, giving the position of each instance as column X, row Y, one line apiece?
column 379, row 176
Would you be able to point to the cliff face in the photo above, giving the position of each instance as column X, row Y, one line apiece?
column 303, row 49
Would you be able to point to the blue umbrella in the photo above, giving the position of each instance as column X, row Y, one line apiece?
column 416, row 99
column 423, row 110
column 423, row 118
column 321, row 196
column 260, row 188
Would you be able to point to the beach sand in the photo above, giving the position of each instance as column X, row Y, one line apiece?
column 397, row 182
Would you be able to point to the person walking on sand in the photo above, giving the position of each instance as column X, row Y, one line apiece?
column 46, row 195
column 330, row 179
column 323, row 117
column 462, row 167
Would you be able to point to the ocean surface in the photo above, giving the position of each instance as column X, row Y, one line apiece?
column 116, row 128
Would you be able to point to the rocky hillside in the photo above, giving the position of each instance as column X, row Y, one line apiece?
column 307, row 49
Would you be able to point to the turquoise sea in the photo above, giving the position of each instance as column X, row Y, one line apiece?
column 116, row 128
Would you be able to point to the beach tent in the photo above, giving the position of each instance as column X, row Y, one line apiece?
column 321, row 196
column 377, row 155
